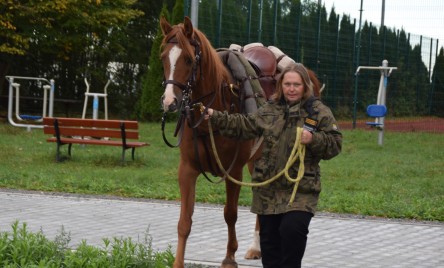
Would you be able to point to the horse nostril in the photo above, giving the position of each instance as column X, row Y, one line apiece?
column 173, row 106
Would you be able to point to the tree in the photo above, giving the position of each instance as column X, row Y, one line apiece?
column 69, row 40
column 437, row 94
column 149, row 104
column 177, row 16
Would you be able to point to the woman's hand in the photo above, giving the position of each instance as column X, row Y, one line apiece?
column 208, row 114
column 306, row 137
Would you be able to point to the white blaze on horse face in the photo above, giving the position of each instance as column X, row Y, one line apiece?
column 169, row 96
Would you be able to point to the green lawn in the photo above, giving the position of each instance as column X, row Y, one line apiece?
column 402, row 179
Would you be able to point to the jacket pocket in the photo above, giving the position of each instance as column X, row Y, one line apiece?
column 310, row 183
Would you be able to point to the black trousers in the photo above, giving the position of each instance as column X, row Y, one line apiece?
column 283, row 238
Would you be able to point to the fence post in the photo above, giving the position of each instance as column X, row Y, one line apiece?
column 219, row 23
column 358, row 45
column 259, row 30
column 318, row 39
column 335, row 68
column 250, row 6
column 276, row 5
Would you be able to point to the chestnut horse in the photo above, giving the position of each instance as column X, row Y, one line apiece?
column 195, row 74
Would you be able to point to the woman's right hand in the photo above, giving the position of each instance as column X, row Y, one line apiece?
column 208, row 114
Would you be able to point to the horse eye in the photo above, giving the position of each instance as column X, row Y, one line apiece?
column 188, row 61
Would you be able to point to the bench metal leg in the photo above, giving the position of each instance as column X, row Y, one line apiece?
column 59, row 157
column 133, row 149
column 58, row 153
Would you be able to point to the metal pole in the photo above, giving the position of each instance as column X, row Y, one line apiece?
column 355, row 99
column 195, row 13
column 381, row 99
column 318, row 41
column 219, row 24
column 51, row 98
column 259, row 38
column 276, row 2
column 336, row 63
column 96, row 107
column 298, row 39
column 250, row 5
column 382, row 13
column 186, row 8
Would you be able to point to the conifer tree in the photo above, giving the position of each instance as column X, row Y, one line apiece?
column 437, row 96
column 148, row 106
column 177, row 16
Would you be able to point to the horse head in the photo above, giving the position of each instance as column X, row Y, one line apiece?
column 180, row 55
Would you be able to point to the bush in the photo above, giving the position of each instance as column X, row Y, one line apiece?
column 25, row 249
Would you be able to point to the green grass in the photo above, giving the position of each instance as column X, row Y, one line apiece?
column 404, row 178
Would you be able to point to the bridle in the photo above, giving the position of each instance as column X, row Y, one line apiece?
column 191, row 82
column 186, row 104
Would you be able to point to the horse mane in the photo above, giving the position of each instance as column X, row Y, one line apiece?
column 211, row 62
column 212, row 71
column 315, row 82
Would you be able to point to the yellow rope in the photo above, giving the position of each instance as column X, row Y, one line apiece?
column 298, row 151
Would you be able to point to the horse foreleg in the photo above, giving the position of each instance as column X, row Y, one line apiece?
column 254, row 251
column 230, row 215
column 187, row 186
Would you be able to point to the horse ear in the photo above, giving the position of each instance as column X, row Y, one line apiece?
column 165, row 26
column 188, row 27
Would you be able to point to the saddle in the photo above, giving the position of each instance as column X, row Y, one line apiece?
column 267, row 63
column 264, row 63
column 257, row 68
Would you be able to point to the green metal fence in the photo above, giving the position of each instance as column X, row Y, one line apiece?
column 334, row 46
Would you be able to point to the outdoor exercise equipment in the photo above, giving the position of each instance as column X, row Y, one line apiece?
column 96, row 97
column 29, row 121
column 379, row 110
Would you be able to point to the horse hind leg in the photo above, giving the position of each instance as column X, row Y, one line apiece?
column 230, row 215
column 254, row 251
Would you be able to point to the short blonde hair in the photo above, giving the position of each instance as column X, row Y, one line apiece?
column 302, row 71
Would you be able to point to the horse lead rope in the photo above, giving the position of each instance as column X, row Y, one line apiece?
column 298, row 151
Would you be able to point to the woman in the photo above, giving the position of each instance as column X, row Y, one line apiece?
column 284, row 225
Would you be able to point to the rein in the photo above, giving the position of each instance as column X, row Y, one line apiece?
column 185, row 114
column 298, row 151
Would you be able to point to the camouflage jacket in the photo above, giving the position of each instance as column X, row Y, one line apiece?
column 277, row 123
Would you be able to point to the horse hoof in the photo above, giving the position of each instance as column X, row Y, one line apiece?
column 228, row 263
column 253, row 254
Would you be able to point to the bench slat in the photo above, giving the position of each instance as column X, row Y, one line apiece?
column 101, row 133
column 98, row 142
column 98, row 123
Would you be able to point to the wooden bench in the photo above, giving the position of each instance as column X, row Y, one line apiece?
column 93, row 132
